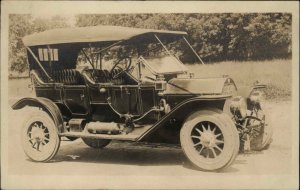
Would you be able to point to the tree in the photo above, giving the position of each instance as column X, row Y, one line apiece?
column 269, row 36
column 21, row 25
column 230, row 36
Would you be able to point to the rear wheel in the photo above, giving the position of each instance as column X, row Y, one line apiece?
column 210, row 140
column 96, row 143
column 72, row 138
column 40, row 139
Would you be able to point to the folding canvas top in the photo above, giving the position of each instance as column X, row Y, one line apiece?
column 104, row 34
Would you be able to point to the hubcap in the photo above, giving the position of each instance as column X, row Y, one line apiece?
column 208, row 139
column 38, row 135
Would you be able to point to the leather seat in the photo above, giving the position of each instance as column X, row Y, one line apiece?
column 119, row 80
column 40, row 75
column 68, row 77
column 65, row 76
column 103, row 76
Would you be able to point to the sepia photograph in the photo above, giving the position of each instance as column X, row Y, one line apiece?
column 149, row 95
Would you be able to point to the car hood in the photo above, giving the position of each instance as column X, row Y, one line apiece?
column 200, row 86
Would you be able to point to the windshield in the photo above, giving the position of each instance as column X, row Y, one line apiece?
column 87, row 58
column 167, row 64
column 154, row 58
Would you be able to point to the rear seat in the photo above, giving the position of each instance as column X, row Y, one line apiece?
column 68, row 77
column 65, row 76
column 39, row 76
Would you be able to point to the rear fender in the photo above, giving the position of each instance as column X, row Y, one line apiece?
column 47, row 105
column 185, row 108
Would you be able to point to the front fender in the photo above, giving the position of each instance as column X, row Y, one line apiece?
column 247, row 91
column 47, row 105
column 185, row 108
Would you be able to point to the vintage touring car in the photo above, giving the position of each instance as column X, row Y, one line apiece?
column 106, row 83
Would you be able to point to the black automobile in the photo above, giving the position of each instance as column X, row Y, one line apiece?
column 105, row 83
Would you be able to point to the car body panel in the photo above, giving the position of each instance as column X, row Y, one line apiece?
column 197, row 86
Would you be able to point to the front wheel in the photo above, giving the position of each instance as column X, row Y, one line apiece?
column 40, row 138
column 210, row 140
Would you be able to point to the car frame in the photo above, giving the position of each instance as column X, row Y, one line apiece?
column 208, row 119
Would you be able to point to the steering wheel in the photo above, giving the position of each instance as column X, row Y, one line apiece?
column 121, row 70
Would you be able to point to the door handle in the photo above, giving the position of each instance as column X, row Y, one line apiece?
column 81, row 97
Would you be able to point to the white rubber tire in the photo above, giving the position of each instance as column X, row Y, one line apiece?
column 230, row 135
column 49, row 150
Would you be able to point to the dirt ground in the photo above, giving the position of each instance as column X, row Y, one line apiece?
column 128, row 159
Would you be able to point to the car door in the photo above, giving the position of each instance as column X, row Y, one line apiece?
column 133, row 99
column 50, row 91
column 126, row 99
column 77, row 99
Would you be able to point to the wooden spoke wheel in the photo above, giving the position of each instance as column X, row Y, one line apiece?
column 40, row 139
column 210, row 140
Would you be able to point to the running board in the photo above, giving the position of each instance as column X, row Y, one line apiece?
column 132, row 136
column 125, row 137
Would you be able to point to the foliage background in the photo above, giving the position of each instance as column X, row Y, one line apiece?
column 216, row 37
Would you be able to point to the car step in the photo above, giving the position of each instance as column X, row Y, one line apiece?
column 129, row 137
column 133, row 136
